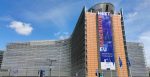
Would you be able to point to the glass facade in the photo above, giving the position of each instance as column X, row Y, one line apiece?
column 27, row 59
column 1, row 57
column 137, row 60
column 78, row 50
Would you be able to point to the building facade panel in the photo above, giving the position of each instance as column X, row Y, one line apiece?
column 27, row 59
column 92, row 50
column 1, row 57
column 78, row 48
column 137, row 60
column 119, row 46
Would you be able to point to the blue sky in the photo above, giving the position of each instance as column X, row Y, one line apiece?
column 26, row 20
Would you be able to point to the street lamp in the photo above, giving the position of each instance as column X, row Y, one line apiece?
column 50, row 64
column 78, row 72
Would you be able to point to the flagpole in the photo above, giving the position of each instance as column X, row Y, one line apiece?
column 111, row 72
column 130, row 72
column 120, row 72
column 120, row 64
column 129, row 65
column 110, row 67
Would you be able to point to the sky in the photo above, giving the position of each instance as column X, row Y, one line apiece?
column 27, row 20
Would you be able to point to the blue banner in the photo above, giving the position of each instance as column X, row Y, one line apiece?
column 120, row 62
column 106, row 42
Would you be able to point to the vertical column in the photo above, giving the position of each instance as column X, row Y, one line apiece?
column 119, row 46
column 92, row 52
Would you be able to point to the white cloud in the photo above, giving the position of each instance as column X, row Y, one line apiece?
column 58, row 33
column 131, row 15
column 21, row 27
column 62, row 35
column 145, row 39
column 136, row 21
column 57, row 16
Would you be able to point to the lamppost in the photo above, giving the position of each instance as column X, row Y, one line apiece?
column 50, row 64
column 78, row 72
column 9, row 71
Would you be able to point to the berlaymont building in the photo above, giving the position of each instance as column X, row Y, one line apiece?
column 96, row 48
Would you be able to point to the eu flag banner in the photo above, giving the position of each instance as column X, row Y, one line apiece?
column 41, row 73
column 106, row 41
column 120, row 62
column 128, row 62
